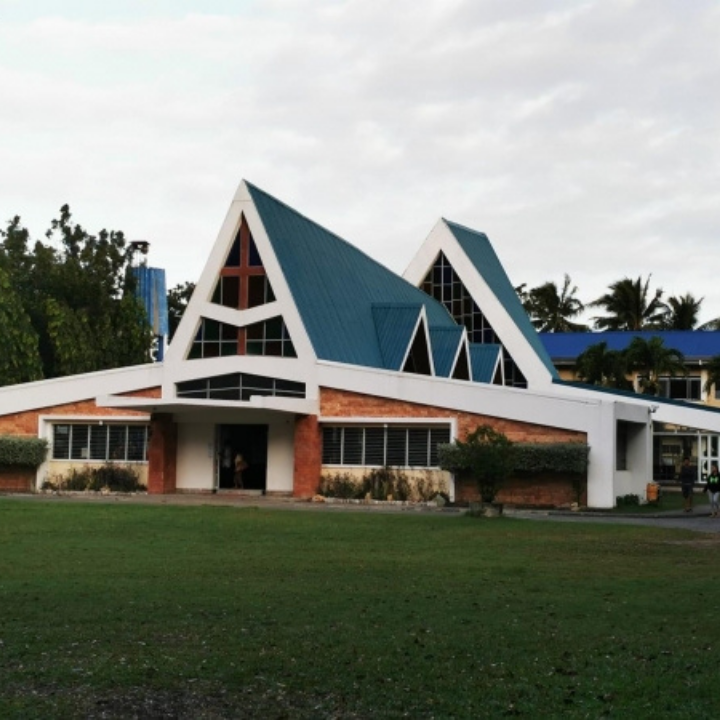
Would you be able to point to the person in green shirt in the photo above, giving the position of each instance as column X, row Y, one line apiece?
column 713, row 490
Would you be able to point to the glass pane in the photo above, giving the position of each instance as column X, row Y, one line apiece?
column 353, row 446
column 332, row 438
column 256, row 290
column 231, row 292
column 61, row 442
column 374, row 446
column 396, row 447
column 233, row 259
column 98, row 442
column 136, row 442
column 418, row 447
column 117, row 442
column 438, row 436
column 225, row 381
column 211, row 330
column 254, row 256
column 79, row 443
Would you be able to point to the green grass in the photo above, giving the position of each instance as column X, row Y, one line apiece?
column 140, row 611
column 668, row 500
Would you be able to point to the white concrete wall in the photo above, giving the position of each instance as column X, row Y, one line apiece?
column 196, row 456
column 281, row 456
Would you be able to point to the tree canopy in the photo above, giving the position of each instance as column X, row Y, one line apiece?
column 630, row 306
column 552, row 310
column 71, row 301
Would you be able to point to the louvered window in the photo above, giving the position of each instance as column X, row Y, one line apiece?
column 106, row 442
column 392, row 445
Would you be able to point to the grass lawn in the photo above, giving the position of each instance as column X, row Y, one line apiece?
column 213, row 612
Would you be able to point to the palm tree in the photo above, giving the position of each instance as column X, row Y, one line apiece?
column 652, row 359
column 629, row 308
column 600, row 366
column 550, row 310
column 682, row 312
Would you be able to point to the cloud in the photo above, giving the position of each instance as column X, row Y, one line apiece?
column 582, row 137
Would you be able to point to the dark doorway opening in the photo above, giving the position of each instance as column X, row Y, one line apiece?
column 250, row 441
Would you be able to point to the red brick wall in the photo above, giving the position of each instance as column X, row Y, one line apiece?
column 162, row 455
column 539, row 491
column 340, row 403
column 308, row 456
column 14, row 479
column 26, row 423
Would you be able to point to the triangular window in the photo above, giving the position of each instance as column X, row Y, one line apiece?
column 462, row 365
column 216, row 339
column 242, row 283
column 443, row 283
column 418, row 359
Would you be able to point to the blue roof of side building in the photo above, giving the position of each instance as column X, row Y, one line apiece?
column 693, row 344
column 335, row 285
column 480, row 252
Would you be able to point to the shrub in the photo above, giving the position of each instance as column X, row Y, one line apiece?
column 561, row 457
column 627, row 500
column 23, row 451
column 339, row 485
column 377, row 484
column 486, row 455
column 117, row 478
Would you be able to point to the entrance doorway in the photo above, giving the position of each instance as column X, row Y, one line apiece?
column 250, row 441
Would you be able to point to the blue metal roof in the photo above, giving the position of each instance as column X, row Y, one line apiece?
column 483, row 360
column 693, row 344
column 480, row 252
column 335, row 285
column 445, row 342
column 395, row 324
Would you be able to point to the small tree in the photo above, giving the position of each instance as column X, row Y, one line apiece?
column 486, row 455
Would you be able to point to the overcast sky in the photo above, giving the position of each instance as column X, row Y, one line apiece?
column 582, row 137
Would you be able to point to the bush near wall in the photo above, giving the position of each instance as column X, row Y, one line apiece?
column 551, row 458
column 110, row 476
column 22, row 451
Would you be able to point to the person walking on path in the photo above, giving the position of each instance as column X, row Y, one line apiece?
column 713, row 490
column 688, row 475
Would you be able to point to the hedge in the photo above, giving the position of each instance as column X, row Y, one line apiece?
column 530, row 457
column 551, row 457
column 23, row 451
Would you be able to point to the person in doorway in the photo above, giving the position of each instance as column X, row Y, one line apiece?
column 713, row 490
column 687, row 481
column 240, row 465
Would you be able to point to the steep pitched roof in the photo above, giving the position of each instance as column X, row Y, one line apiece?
column 484, row 360
column 479, row 251
column 334, row 285
column 395, row 324
column 445, row 342
column 693, row 344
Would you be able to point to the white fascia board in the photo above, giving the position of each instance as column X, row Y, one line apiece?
column 295, row 406
column 441, row 239
column 634, row 409
column 522, row 405
column 74, row 388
